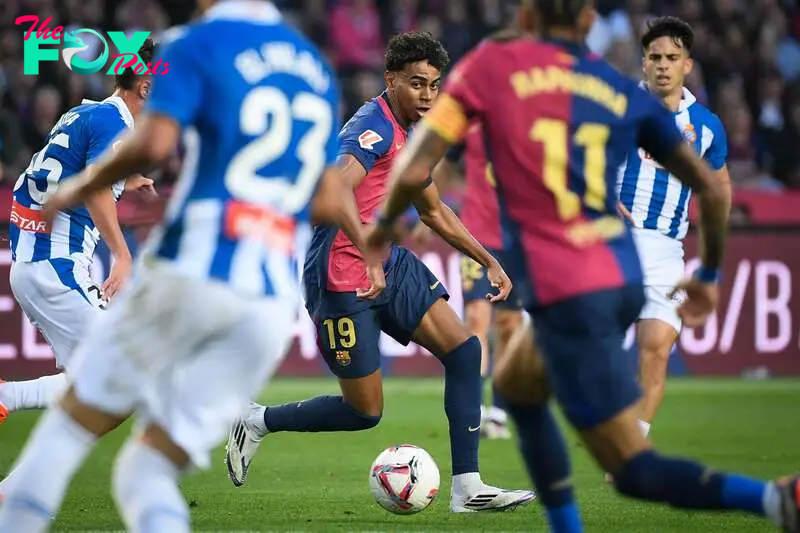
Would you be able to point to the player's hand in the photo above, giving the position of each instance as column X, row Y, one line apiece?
column 701, row 301
column 377, row 279
column 69, row 194
column 120, row 272
column 624, row 213
column 137, row 182
column 499, row 280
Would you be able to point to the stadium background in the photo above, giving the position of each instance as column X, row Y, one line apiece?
column 747, row 69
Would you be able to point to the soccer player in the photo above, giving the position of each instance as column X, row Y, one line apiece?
column 559, row 121
column 657, row 203
column 51, row 262
column 350, row 311
column 207, row 315
column 480, row 214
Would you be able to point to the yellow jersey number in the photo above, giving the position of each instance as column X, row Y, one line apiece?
column 346, row 330
column 554, row 136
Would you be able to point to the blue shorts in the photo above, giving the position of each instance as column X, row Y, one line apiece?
column 475, row 285
column 349, row 328
column 581, row 341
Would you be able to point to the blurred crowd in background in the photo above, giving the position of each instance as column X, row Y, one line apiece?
column 747, row 62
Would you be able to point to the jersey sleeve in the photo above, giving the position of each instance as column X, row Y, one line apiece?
column 178, row 93
column 104, row 127
column 462, row 98
column 658, row 133
column 367, row 137
column 717, row 152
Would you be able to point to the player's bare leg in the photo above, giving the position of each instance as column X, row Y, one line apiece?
column 655, row 339
column 495, row 424
column 145, row 483
column 445, row 336
column 61, row 441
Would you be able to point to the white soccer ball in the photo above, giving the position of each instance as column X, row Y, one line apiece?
column 404, row 479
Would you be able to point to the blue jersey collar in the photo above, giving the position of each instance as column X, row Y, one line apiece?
column 572, row 47
column 119, row 103
column 256, row 11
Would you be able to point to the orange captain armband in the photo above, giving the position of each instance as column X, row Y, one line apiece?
column 447, row 118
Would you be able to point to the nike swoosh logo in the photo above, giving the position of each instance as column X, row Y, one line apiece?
column 431, row 287
column 472, row 429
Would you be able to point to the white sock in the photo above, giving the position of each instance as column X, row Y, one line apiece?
column 254, row 416
column 145, row 485
column 34, row 394
column 497, row 415
column 54, row 452
column 772, row 504
column 464, row 484
column 645, row 427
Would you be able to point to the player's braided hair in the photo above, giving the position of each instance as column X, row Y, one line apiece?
column 127, row 78
column 410, row 47
column 677, row 29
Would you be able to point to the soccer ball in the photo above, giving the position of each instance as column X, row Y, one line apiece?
column 404, row 479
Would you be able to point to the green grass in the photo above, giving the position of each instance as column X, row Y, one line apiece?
column 318, row 482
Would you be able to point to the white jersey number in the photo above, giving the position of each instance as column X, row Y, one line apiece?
column 53, row 167
column 267, row 112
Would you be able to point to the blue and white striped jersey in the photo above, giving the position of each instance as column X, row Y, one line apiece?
column 656, row 199
column 78, row 139
column 258, row 106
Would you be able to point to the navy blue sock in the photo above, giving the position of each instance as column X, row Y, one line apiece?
column 497, row 399
column 462, row 404
column 688, row 485
column 545, row 454
column 322, row 413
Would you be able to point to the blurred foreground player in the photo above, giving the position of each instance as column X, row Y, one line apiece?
column 558, row 124
column 207, row 316
column 481, row 216
column 350, row 306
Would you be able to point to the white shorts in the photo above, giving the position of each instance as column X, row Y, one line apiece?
column 59, row 298
column 663, row 267
column 185, row 354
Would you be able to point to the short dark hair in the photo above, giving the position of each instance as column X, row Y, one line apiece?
column 127, row 78
column 410, row 47
column 676, row 29
column 559, row 13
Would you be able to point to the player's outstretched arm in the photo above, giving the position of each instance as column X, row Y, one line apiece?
column 143, row 148
column 103, row 210
column 440, row 218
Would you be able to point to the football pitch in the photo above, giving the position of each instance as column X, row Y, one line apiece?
column 318, row 482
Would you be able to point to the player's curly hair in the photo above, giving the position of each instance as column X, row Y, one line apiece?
column 410, row 47
column 127, row 78
column 676, row 29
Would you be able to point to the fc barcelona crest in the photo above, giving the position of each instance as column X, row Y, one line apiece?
column 343, row 357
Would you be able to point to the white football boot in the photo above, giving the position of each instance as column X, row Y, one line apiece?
column 482, row 497
column 243, row 441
